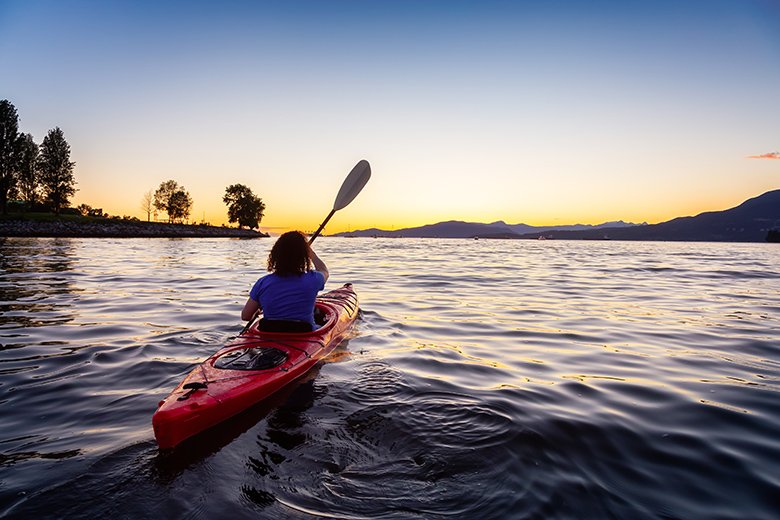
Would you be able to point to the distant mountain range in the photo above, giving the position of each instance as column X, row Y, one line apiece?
column 459, row 229
column 751, row 221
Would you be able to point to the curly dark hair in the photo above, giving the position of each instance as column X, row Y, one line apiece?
column 290, row 254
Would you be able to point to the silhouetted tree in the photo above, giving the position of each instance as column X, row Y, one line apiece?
column 9, row 132
column 244, row 207
column 173, row 200
column 56, row 170
column 179, row 206
column 147, row 204
column 27, row 166
column 162, row 196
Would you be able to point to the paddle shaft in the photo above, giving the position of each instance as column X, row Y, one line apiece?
column 322, row 226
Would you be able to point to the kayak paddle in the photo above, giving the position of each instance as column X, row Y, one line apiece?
column 354, row 182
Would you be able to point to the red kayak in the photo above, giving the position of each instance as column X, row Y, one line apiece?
column 250, row 368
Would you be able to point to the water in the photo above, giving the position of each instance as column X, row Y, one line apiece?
column 486, row 379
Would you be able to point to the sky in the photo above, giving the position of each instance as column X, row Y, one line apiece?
column 541, row 112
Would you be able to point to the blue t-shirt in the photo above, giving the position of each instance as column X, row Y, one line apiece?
column 288, row 297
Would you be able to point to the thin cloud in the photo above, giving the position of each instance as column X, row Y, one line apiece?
column 770, row 155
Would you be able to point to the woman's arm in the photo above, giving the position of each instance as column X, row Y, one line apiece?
column 319, row 265
column 251, row 308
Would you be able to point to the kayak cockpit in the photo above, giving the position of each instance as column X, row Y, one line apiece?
column 325, row 316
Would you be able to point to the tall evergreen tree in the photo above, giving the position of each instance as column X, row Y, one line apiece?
column 9, row 133
column 27, row 164
column 56, row 170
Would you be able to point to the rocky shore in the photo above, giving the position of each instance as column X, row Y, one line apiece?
column 114, row 228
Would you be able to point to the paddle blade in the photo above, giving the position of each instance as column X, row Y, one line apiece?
column 354, row 182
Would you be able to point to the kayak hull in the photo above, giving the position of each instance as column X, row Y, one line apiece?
column 249, row 369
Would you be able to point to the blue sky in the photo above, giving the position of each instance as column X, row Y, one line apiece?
column 539, row 112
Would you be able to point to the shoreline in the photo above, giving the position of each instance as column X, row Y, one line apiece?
column 118, row 229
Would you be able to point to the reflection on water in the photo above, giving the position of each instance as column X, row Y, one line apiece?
column 34, row 289
column 486, row 379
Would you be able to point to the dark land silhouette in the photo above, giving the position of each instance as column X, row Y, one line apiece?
column 117, row 228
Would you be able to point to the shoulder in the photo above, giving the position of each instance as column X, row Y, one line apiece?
column 260, row 285
column 265, row 280
column 316, row 278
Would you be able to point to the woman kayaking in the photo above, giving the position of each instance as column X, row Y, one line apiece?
column 286, row 296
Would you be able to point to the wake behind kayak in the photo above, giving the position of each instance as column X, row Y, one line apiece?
column 250, row 368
